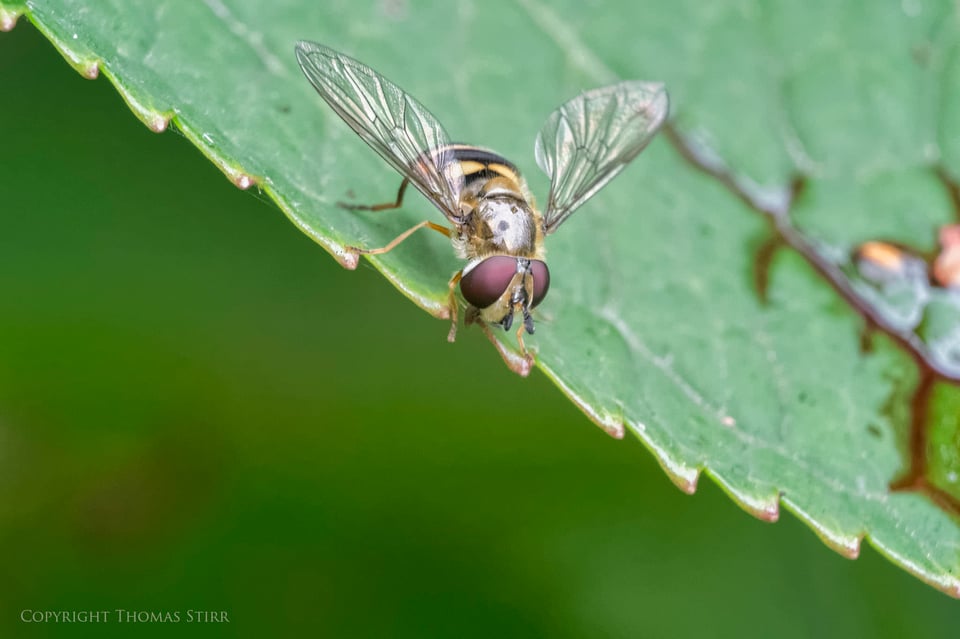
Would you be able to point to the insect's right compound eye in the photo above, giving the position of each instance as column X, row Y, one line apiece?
column 488, row 280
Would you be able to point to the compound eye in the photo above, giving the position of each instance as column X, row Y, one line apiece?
column 488, row 280
column 541, row 281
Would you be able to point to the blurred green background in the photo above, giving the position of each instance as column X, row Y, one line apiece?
column 200, row 410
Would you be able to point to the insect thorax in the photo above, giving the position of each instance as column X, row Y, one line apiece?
column 502, row 218
column 502, row 224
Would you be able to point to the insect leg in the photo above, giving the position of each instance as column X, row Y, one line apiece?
column 526, row 324
column 379, row 251
column 452, row 287
column 519, row 364
column 379, row 207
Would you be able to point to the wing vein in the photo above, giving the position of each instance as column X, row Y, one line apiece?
column 391, row 121
column 591, row 138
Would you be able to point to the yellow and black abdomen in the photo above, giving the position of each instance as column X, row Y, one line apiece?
column 480, row 166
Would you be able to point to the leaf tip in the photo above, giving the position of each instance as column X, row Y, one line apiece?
column 237, row 176
column 844, row 544
column 347, row 259
column 156, row 121
column 683, row 477
column 769, row 512
column 523, row 367
column 763, row 503
column 687, row 484
column 765, row 508
column 242, row 181
column 616, row 430
column 609, row 423
column 91, row 70
column 8, row 19
column 83, row 62
column 515, row 361
column 943, row 578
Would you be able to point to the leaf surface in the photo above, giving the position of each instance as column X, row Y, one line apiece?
column 654, row 324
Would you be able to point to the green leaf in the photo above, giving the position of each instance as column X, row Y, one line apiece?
column 654, row 323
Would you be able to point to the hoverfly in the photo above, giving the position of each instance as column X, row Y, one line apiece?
column 497, row 227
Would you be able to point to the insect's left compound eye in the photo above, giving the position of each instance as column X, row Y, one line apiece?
column 488, row 280
column 541, row 281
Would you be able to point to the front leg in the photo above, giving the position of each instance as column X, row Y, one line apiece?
column 452, row 304
column 520, row 363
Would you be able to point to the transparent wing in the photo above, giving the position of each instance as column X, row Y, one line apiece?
column 588, row 140
column 398, row 127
